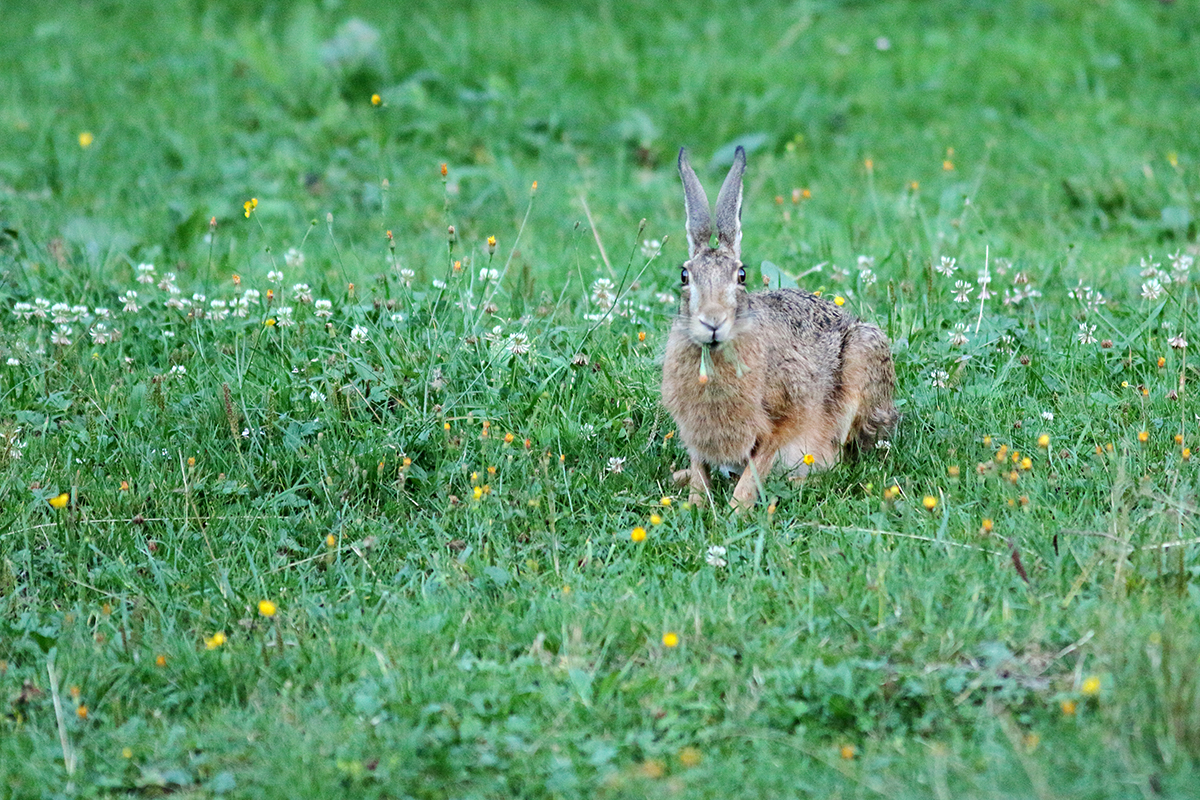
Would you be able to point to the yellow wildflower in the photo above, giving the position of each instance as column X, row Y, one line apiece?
column 929, row 501
column 266, row 608
column 376, row 99
column 85, row 139
column 1091, row 686
column 214, row 641
column 250, row 205
column 638, row 534
column 60, row 501
column 670, row 639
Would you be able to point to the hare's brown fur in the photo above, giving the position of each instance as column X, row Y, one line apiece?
column 788, row 374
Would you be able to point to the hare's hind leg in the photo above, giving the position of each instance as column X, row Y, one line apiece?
column 868, row 383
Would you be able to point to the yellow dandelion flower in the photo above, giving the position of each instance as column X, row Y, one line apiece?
column 160, row 660
column 929, row 501
column 1068, row 707
column 987, row 525
column 477, row 492
column 665, row 502
column 1044, row 440
column 670, row 639
column 1186, row 454
column 445, row 426
column 638, row 534
column 652, row 768
column 1013, row 476
column 848, row 752
column 641, row 336
column 269, row 322
column 330, row 540
column 1091, row 686
column 655, row 519
column 214, row 641
column 491, row 470
column 948, row 165
column 1179, row 438
column 444, row 170
column 838, row 300
column 1143, row 436
column 60, row 501
column 126, row 752
column 953, row 470
column 1002, row 454
column 81, row 712
column 689, row 757
column 124, row 486
column 1026, row 463
column 806, row 194
column 85, row 139
column 376, row 99
column 869, row 163
column 266, row 608
column 809, row 459
column 1162, row 362
column 508, row 438
column 250, row 205
column 987, row 441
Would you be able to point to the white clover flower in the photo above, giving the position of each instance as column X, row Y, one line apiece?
column 302, row 293
column 1152, row 289
column 61, row 335
column 79, row 312
column 218, row 310
column 616, row 465
column 101, row 312
column 14, row 361
column 145, row 273
column 517, row 344
column 178, row 369
column 406, row 276
column 317, row 396
column 1178, row 342
column 715, row 557
column 240, row 307
column 323, row 309
column 651, row 248
column 397, row 318
column 958, row 336
column 1086, row 334
column 866, row 263
column 439, row 284
column 274, row 276
column 167, row 284
column 1149, row 268
column 666, row 298
column 359, row 334
column 604, row 293
column 866, row 277
column 588, row 430
column 293, row 258
column 40, row 306
column 947, row 266
column 487, row 275
column 60, row 314
column 283, row 317
column 251, row 295
column 22, row 310
column 962, row 292
column 938, row 378
column 100, row 333
column 175, row 301
column 1048, row 416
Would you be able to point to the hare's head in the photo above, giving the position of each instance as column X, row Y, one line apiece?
column 713, row 296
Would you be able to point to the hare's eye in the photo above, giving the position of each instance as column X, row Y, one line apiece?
column 741, row 275
column 683, row 276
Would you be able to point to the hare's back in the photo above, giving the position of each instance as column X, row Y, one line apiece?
column 801, row 313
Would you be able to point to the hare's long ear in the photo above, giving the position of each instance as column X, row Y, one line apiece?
column 695, row 203
column 729, row 206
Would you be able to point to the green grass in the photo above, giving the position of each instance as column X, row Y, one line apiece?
column 429, row 642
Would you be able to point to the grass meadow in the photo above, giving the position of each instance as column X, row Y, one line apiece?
column 331, row 453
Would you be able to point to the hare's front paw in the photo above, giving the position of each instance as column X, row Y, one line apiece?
column 681, row 477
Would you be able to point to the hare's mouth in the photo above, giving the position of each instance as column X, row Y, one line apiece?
column 709, row 332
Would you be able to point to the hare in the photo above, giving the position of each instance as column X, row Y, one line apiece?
column 755, row 379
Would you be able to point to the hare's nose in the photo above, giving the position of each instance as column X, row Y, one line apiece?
column 710, row 325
